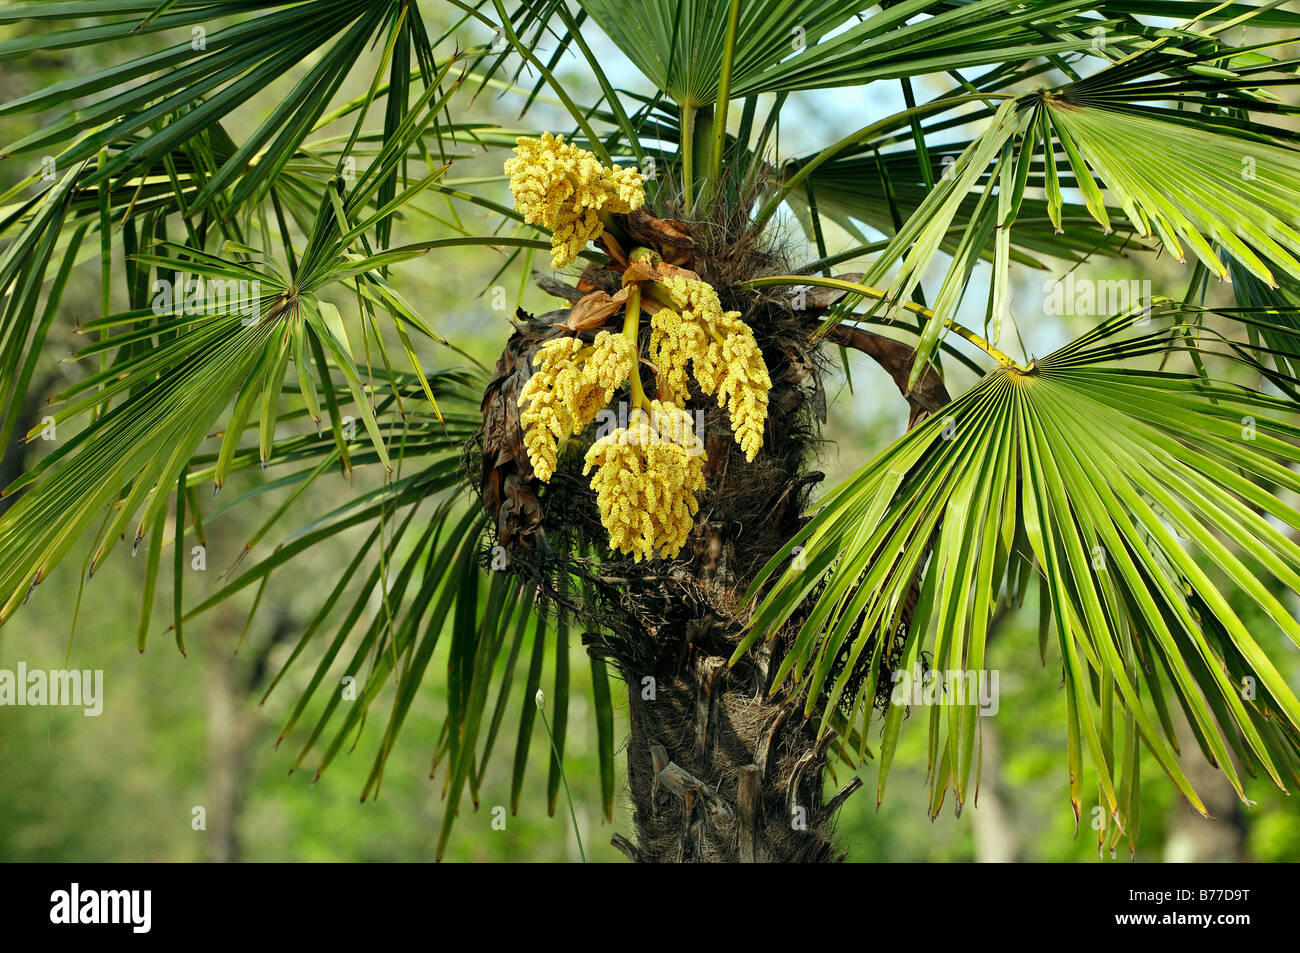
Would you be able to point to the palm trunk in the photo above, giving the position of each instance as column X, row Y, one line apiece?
column 719, row 769
column 719, row 774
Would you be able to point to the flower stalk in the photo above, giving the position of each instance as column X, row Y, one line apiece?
column 631, row 331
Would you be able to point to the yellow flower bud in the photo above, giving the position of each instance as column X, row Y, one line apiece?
column 543, row 417
column 646, row 478
column 572, row 383
column 563, row 188
column 723, row 357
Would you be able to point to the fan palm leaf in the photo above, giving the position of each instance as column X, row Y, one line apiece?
column 1073, row 130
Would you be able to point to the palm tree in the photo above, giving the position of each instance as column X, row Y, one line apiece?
column 1140, row 474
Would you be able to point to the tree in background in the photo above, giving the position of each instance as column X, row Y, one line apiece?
column 1135, row 474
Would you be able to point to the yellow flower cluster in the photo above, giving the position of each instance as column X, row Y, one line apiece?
column 721, row 352
column 572, row 383
column 646, row 478
column 648, row 472
column 673, row 342
column 564, row 188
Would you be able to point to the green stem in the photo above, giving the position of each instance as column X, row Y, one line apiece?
column 701, row 149
column 611, row 226
column 662, row 295
column 867, row 291
column 632, row 330
column 724, row 95
column 573, row 816
column 984, row 345
column 687, row 148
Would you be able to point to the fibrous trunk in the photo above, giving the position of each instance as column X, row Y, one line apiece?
column 720, row 767
column 718, row 773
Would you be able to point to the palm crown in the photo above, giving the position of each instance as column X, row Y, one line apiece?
column 1137, row 474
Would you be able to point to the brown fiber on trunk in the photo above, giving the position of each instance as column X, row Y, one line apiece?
column 719, row 769
column 718, row 773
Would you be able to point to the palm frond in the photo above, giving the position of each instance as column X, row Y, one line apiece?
column 1141, row 525
column 1229, row 185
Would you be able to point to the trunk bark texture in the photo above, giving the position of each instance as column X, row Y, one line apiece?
column 719, row 768
column 719, row 774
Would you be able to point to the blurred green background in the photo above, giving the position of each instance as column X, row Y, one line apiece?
column 178, row 734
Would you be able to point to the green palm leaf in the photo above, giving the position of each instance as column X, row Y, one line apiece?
column 1093, row 131
column 1123, row 519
